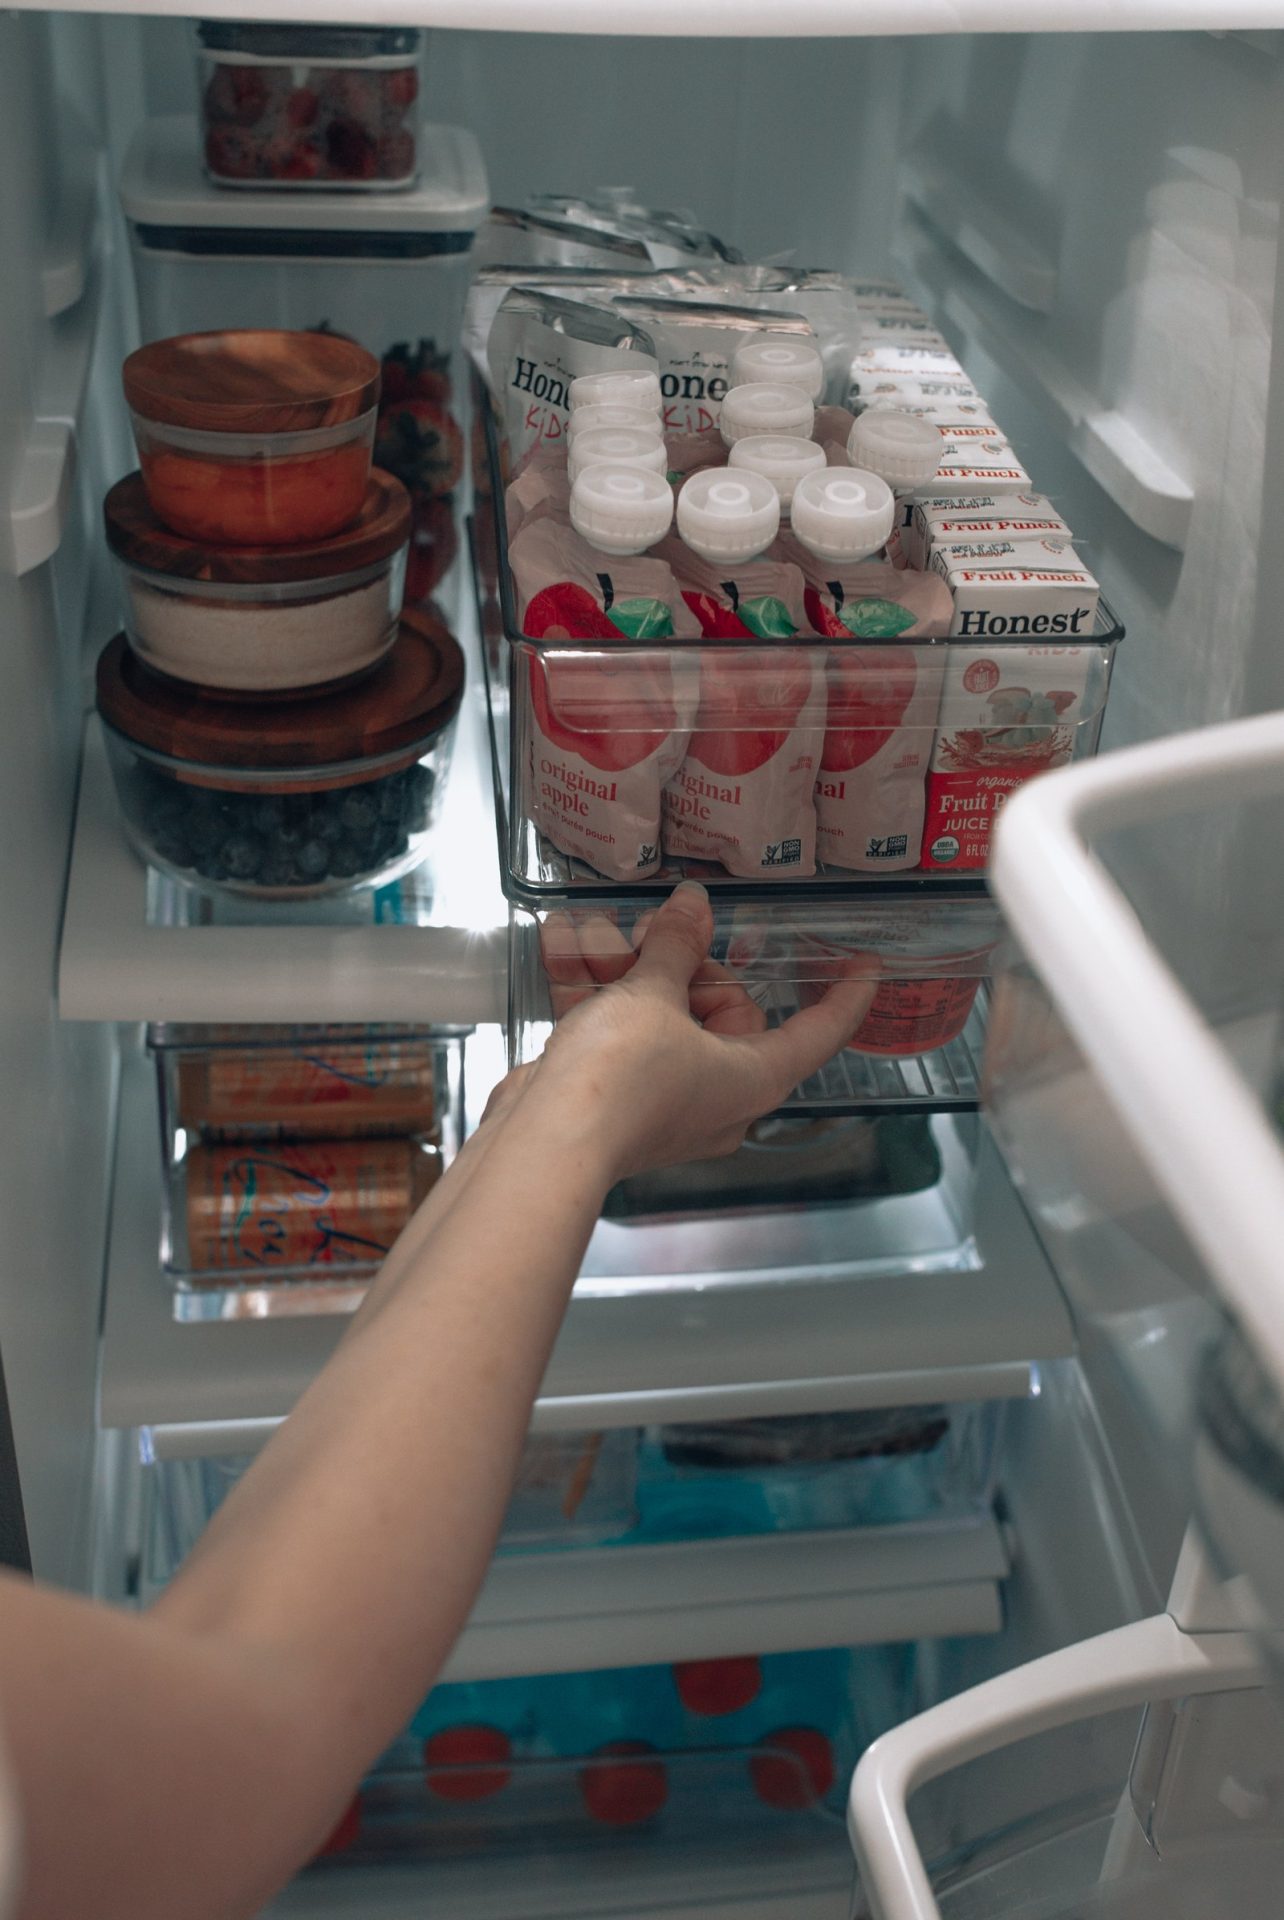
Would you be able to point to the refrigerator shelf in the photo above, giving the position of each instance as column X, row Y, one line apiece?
column 429, row 948
column 889, row 1303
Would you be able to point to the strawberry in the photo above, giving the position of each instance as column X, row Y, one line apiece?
column 350, row 150
column 739, row 692
column 869, row 690
column 286, row 158
column 396, row 155
column 233, row 154
column 351, row 95
column 239, row 94
column 793, row 1768
column 421, row 372
column 401, row 88
column 421, row 443
column 301, row 108
column 434, row 543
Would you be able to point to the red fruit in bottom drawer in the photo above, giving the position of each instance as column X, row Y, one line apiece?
column 621, row 1787
column 467, row 1749
column 346, row 1832
column 793, row 1768
column 717, row 1686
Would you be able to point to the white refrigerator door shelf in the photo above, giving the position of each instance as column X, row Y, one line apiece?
column 795, row 1343
column 452, row 969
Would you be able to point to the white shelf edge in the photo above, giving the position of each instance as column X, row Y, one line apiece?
column 754, row 19
column 1139, row 480
column 113, row 966
column 995, row 248
column 628, row 1606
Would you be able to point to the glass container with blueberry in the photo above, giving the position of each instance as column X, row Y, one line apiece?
column 284, row 800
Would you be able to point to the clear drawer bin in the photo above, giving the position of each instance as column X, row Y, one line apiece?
column 748, row 1752
column 628, row 758
column 293, row 1156
column 916, row 1050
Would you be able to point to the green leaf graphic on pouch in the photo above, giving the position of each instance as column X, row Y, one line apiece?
column 768, row 617
column 642, row 619
column 875, row 619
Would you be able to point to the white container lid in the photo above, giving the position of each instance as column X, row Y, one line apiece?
column 163, row 190
column 780, row 458
column 728, row 514
column 620, row 387
column 842, row 513
column 612, row 414
column 901, row 448
column 784, row 359
column 621, row 509
column 618, row 447
column 762, row 406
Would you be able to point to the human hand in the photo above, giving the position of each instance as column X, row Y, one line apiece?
column 659, row 1049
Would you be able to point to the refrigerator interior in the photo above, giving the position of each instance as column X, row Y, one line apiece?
column 1093, row 222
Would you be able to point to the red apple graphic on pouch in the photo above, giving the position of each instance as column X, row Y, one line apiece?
column 870, row 689
column 612, row 714
column 739, row 692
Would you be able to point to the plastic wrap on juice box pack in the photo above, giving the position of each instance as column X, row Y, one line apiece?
column 1008, row 711
column 694, row 343
column 904, row 360
column 981, row 516
column 1022, row 551
column 671, row 237
column 514, row 236
column 901, row 327
column 538, row 344
column 910, row 392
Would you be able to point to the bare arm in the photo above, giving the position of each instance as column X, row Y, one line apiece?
column 186, row 1762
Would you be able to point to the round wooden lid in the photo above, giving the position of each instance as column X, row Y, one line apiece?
column 251, row 380
column 136, row 536
column 409, row 697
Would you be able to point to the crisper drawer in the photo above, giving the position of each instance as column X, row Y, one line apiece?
column 917, row 1049
column 689, row 1541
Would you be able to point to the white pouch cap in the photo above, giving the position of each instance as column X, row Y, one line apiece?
column 780, row 458
column 843, row 513
column 763, row 406
column 618, row 447
column 622, row 387
column 621, row 509
column 612, row 413
column 899, row 447
column 782, row 359
column 727, row 513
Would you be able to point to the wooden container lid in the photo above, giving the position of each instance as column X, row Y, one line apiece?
column 407, row 699
column 251, row 380
column 136, row 536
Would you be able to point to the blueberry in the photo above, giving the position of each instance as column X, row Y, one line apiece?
column 204, row 829
column 358, row 811
column 346, row 858
column 276, row 869
column 165, row 813
column 326, row 827
column 212, row 865
column 390, row 800
column 170, row 845
column 267, row 815
column 311, row 860
column 242, row 857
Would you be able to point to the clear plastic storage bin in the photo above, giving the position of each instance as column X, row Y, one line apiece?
column 388, row 268
column 292, row 1157
column 917, row 1048
column 290, row 106
column 855, row 765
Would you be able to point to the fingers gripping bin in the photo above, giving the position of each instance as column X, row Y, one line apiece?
column 916, row 1047
column 293, row 1156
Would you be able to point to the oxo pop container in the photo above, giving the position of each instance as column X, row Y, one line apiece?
column 261, row 620
column 293, row 106
column 290, row 799
column 254, row 436
column 916, row 1045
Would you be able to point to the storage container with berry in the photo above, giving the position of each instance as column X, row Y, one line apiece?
column 309, row 105
column 286, row 799
column 386, row 268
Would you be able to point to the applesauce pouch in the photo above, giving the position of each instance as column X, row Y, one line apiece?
column 880, row 721
column 541, row 489
column 605, row 734
column 538, row 344
column 694, row 342
column 742, row 795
